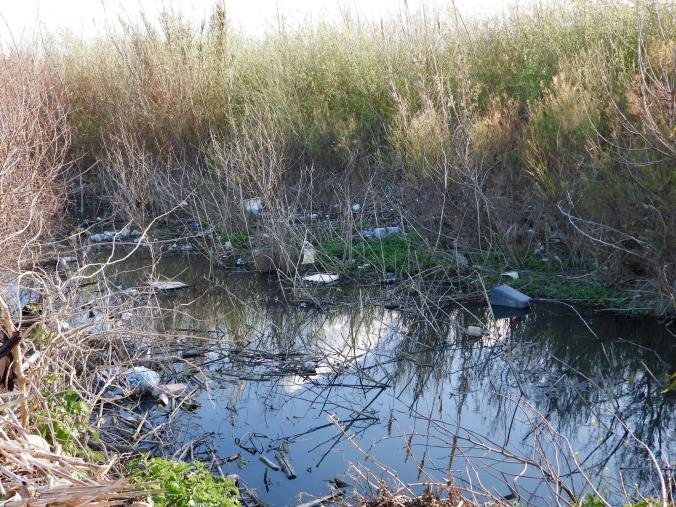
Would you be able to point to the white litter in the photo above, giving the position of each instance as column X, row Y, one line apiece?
column 38, row 442
column 321, row 278
column 309, row 253
column 139, row 379
column 474, row 331
column 512, row 274
column 169, row 285
column 253, row 206
column 381, row 232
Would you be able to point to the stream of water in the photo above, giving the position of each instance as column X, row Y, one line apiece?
column 363, row 393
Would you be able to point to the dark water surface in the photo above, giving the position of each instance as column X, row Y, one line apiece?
column 406, row 394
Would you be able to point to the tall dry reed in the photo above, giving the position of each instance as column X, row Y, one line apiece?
column 34, row 143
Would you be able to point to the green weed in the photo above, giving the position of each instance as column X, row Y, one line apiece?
column 182, row 484
column 592, row 501
column 66, row 421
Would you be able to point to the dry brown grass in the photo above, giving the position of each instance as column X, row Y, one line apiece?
column 34, row 141
column 424, row 500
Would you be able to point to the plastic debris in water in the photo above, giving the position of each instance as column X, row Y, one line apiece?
column 474, row 331
column 504, row 295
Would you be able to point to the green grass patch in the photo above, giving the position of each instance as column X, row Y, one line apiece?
column 183, row 483
column 593, row 501
column 400, row 253
column 238, row 239
column 551, row 278
column 568, row 287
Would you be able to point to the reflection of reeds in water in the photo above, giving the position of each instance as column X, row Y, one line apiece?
column 458, row 407
column 423, row 348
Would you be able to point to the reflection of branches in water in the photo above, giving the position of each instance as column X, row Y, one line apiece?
column 592, row 382
column 535, row 379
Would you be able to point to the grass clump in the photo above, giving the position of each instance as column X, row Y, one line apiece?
column 551, row 277
column 182, row 484
column 568, row 287
column 404, row 254
column 593, row 501
column 65, row 421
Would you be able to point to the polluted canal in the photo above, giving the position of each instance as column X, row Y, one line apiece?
column 304, row 393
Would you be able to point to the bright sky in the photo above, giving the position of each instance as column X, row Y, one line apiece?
column 86, row 18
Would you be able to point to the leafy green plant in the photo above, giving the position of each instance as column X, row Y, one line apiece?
column 180, row 484
column 565, row 287
column 593, row 501
column 66, row 421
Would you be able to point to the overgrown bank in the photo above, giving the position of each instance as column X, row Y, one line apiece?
column 543, row 134
column 543, row 143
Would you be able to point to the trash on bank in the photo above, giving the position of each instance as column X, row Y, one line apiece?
column 32, row 360
column 504, row 295
column 309, row 253
column 514, row 275
column 381, row 232
column 461, row 261
column 321, row 278
column 101, row 237
column 253, row 206
column 17, row 298
column 138, row 379
column 305, row 217
column 105, row 236
column 173, row 390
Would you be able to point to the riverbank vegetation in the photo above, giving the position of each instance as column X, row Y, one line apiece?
column 543, row 134
column 542, row 143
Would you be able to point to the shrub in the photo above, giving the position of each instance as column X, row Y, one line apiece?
column 34, row 142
